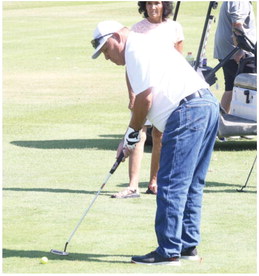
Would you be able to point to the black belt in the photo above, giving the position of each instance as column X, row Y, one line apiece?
column 197, row 94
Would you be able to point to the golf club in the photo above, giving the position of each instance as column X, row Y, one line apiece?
column 241, row 190
column 114, row 167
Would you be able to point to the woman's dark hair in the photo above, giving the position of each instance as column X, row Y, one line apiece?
column 167, row 8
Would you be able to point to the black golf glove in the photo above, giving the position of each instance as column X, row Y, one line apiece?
column 131, row 138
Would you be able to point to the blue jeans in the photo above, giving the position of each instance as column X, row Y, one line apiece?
column 187, row 145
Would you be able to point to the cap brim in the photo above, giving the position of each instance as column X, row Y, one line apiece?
column 97, row 51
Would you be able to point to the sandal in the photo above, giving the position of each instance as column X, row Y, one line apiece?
column 152, row 189
column 127, row 193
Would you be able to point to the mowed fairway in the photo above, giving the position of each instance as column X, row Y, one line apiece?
column 63, row 117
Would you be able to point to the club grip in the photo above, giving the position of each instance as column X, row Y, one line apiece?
column 117, row 163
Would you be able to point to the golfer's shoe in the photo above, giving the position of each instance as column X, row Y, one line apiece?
column 190, row 254
column 153, row 258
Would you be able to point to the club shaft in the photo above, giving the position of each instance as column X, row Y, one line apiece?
column 250, row 171
column 113, row 169
column 241, row 190
column 87, row 210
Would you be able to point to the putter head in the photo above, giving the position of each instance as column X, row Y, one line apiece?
column 57, row 252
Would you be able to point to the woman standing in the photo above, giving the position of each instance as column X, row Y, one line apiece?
column 156, row 16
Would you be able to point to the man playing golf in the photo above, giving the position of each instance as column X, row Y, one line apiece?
column 178, row 103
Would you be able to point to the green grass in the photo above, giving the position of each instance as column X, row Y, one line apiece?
column 63, row 117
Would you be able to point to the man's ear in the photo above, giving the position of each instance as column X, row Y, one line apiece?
column 117, row 37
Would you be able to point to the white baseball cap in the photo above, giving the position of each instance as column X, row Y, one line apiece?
column 103, row 31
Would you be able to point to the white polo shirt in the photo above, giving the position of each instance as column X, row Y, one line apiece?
column 152, row 63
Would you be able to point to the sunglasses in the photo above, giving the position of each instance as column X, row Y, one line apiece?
column 96, row 42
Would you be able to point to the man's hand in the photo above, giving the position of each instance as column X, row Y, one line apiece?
column 127, row 145
column 131, row 138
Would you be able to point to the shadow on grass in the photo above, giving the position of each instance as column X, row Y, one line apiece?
column 103, row 258
column 50, row 190
column 227, row 188
column 219, row 188
column 110, row 142
column 235, row 145
column 211, row 187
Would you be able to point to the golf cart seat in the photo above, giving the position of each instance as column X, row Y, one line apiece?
column 230, row 125
column 246, row 80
